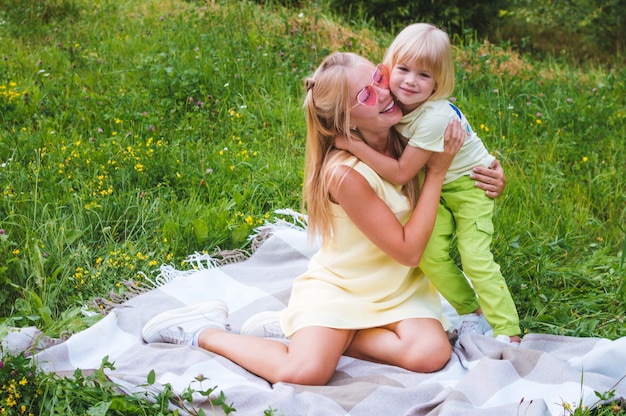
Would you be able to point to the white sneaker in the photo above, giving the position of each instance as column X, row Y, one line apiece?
column 473, row 324
column 507, row 340
column 178, row 326
column 264, row 325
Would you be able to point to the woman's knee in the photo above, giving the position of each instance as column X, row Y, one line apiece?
column 314, row 353
column 430, row 350
column 429, row 357
column 438, row 357
column 312, row 373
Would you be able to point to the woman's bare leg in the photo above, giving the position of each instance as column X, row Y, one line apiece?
column 419, row 345
column 311, row 357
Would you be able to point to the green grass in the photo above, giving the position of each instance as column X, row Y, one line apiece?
column 135, row 133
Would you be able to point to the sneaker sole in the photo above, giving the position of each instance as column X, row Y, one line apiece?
column 174, row 316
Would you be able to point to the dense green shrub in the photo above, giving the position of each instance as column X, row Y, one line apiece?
column 458, row 16
column 579, row 30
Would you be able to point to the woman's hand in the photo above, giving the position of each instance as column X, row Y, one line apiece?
column 453, row 139
column 492, row 179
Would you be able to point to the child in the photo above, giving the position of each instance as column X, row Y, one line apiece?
column 421, row 79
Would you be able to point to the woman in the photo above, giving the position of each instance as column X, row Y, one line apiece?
column 362, row 294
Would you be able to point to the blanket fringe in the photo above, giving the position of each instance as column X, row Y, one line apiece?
column 298, row 221
column 199, row 261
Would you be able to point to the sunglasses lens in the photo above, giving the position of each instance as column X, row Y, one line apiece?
column 381, row 76
column 367, row 96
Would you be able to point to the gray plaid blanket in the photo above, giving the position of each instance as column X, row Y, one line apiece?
column 483, row 377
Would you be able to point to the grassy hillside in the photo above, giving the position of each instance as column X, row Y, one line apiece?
column 135, row 133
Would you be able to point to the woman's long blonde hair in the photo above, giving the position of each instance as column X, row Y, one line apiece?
column 327, row 106
column 427, row 45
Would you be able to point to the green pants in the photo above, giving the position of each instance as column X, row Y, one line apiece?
column 467, row 211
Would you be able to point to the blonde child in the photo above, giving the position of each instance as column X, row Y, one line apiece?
column 421, row 79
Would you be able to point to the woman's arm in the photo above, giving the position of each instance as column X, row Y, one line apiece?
column 397, row 171
column 492, row 179
column 373, row 217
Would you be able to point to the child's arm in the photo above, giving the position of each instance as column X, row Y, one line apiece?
column 399, row 172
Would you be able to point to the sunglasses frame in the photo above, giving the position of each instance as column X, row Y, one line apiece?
column 380, row 78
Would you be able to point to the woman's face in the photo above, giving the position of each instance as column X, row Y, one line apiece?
column 379, row 113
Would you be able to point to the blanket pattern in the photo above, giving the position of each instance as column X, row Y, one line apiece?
column 483, row 376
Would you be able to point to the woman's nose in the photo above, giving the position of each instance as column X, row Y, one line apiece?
column 382, row 92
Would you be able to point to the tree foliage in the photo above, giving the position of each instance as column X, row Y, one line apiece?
column 455, row 15
column 581, row 29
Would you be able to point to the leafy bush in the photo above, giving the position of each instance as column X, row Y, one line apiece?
column 25, row 390
column 457, row 16
column 579, row 30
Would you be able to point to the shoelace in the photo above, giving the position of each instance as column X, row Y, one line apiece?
column 181, row 337
column 273, row 331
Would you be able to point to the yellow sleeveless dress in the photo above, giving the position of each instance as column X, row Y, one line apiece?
column 351, row 284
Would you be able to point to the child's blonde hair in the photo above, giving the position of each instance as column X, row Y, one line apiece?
column 428, row 46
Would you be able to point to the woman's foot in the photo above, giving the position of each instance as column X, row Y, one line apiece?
column 181, row 326
column 264, row 324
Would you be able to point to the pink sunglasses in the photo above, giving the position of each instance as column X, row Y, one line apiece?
column 368, row 95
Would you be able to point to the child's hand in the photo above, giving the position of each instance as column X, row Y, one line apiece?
column 342, row 142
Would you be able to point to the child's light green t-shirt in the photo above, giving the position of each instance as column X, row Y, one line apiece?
column 425, row 126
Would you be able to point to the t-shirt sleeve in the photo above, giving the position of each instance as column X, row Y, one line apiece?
column 427, row 132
